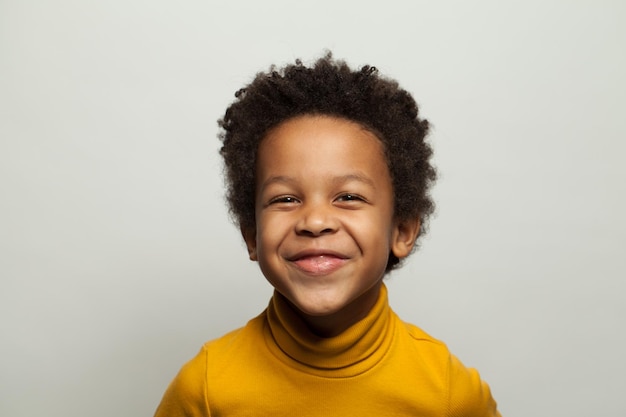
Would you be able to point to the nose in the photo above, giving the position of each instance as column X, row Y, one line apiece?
column 316, row 219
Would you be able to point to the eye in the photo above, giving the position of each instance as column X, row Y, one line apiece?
column 347, row 197
column 283, row 199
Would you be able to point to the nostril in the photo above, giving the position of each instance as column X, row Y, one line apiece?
column 316, row 220
column 309, row 232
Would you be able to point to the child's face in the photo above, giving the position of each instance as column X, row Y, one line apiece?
column 324, row 216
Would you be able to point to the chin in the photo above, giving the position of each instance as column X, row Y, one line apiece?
column 317, row 307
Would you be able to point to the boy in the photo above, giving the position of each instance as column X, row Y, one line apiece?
column 328, row 174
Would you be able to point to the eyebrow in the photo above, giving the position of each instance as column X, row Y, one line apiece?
column 356, row 176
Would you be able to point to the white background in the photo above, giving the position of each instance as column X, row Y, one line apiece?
column 117, row 258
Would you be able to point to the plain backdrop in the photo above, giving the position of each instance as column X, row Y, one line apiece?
column 117, row 256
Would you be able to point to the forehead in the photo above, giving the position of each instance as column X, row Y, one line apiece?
column 299, row 131
column 321, row 146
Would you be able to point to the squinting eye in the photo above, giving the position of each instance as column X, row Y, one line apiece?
column 286, row 199
column 350, row 197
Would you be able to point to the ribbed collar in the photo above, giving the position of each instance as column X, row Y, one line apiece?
column 352, row 352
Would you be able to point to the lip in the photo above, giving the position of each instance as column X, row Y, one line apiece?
column 318, row 261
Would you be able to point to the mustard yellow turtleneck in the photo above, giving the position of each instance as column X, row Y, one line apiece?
column 274, row 366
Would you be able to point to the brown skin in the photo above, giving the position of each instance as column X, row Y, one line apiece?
column 325, row 223
column 329, row 87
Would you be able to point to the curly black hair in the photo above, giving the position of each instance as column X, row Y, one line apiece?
column 329, row 87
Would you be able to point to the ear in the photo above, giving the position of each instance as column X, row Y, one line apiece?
column 249, row 236
column 405, row 234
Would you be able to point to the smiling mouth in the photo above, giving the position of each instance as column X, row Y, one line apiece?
column 319, row 264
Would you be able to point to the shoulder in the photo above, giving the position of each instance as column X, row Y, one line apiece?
column 421, row 336
column 234, row 344
column 424, row 343
column 424, row 354
column 189, row 393
column 186, row 394
column 466, row 393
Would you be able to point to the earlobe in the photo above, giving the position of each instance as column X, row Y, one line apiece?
column 249, row 236
column 404, row 237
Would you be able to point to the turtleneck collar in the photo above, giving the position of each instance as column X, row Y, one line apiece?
column 350, row 353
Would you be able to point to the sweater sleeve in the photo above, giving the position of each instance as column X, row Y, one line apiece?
column 469, row 396
column 186, row 394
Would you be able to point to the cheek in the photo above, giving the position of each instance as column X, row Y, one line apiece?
column 271, row 229
column 373, row 230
